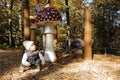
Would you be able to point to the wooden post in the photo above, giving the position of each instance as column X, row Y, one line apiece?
column 33, row 34
column 88, row 35
column 32, row 28
column 26, row 20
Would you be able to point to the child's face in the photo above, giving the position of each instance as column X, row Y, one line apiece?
column 33, row 47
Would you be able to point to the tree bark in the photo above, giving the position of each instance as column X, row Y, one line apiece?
column 26, row 20
column 10, row 24
column 88, row 35
column 68, row 24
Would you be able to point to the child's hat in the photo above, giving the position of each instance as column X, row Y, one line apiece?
column 27, row 44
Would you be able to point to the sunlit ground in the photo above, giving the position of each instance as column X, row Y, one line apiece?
column 102, row 67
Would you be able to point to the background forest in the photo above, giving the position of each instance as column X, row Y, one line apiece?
column 105, row 23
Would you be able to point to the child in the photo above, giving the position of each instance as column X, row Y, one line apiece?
column 31, row 57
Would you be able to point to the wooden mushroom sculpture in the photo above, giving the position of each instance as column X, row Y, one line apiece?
column 49, row 17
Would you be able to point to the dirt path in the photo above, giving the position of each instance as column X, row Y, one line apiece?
column 102, row 67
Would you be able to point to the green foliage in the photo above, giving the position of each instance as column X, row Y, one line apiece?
column 4, row 23
column 105, row 34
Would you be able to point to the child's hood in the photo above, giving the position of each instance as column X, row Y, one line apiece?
column 27, row 44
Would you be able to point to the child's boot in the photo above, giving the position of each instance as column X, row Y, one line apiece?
column 37, row 68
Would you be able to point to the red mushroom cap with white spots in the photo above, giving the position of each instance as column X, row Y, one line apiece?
column 48, row 15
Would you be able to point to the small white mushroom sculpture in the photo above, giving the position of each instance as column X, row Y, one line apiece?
column 49, row 17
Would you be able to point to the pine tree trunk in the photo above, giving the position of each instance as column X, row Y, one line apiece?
column 26, row 20
column 88, row 35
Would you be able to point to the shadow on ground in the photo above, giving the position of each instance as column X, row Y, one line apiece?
column 64, row 58
column 9, row 59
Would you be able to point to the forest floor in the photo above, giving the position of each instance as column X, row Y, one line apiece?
column 102, row 67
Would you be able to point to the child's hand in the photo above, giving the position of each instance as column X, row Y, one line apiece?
column 28, row 64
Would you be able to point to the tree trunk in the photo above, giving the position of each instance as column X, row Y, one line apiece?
column 68, row 24
column 88, row 35
column 10, row 25
column 26, row 20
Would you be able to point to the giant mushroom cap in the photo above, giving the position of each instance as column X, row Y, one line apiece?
column 78, row 43
column 48, row 14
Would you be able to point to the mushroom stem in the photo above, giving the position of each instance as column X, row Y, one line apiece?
column 49, row 17
column 49, row 50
